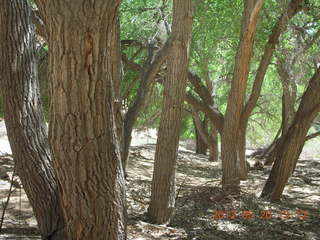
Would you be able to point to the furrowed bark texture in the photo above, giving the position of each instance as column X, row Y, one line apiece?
column 163, row 182
column 25, row 124
column 291, row 144
column 229, row 138
column 82, row 130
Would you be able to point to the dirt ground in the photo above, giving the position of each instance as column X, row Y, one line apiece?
column 201, row 213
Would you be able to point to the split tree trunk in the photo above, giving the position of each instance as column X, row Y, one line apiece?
column 25, row 124
column 293, row 8
column 230, row 135
column 163, row 182
column 290, row 146
column 82, row 131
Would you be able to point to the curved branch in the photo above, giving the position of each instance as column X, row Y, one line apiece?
column 213, row 114
column 294, row 7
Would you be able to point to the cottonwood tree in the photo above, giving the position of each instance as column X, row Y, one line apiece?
column 229, row 139
column 291, row 144
column 27, row 131
column 233, row 125
column 82, row 132
column 291, row 67
column 163, row 181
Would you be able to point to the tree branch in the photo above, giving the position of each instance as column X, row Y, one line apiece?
column 213, row 114
column 293, row 8
column 313, row 135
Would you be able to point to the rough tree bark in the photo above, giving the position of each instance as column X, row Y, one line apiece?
column 293, row 8
column 163, row 181
column 229, row 138
column 25, row 124
column 82, row 131
column 117, row 77
column 292, row 143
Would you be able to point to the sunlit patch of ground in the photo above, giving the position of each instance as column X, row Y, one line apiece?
column 200, row 199
column 202, row 211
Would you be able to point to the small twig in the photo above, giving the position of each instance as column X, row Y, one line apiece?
column 5, row 205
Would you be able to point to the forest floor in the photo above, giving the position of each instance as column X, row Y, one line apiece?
column 202, row 212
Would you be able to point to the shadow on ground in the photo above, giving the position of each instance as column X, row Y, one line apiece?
column 202, row 211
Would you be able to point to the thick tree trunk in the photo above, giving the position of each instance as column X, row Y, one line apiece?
column 82, row 130
column 230, row 135
column 290, row 146
column 25, row 124
column 163, row 182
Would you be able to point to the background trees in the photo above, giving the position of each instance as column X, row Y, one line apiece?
column 111, row 68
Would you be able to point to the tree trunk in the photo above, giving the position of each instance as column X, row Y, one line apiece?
column 149, row 71
column 25, row 124
column 293, row 8
column 210, row 140
column 213, row 145
column 82, row 130
column 117, row 77
column 229, row 138
column 201, row 144
column 289, row 89
column 243, row 167
column 163, row 182
column 290, row 146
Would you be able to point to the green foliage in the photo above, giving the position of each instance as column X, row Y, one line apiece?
column 216, row 31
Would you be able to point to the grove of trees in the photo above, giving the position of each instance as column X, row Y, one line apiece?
column 225, row 73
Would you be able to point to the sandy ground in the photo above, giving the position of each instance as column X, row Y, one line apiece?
column 198, row 199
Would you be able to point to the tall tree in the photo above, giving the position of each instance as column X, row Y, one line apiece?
column 291, row 144
column 233, row 125
column 82, row 131
column 229, row 138
column 163, row 182
column 25, row 124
